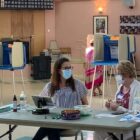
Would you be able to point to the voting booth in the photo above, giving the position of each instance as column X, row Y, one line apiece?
column 109, row 50
column 13, row 57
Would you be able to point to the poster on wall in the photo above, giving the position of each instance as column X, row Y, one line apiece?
column 130, row 24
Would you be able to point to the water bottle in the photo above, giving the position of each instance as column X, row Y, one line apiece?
column 23, row 101
column 136, row 105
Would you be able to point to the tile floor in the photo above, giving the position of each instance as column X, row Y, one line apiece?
column 33, row 88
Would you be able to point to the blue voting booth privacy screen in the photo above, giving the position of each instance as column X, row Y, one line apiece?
column 111, row 46
column 110, row 49
column 6, row 56
column 6, row 52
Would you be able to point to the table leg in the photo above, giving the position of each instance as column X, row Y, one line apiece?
column 91, row 92
column 121, row 136
column 10, row 134
column 134, row 134
column 104, row 68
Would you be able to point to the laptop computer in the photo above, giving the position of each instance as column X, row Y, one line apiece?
column 40, row 101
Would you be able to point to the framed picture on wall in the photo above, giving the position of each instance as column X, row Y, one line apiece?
column 100, row 24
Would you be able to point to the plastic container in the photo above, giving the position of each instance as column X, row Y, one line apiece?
column 84, row 109
column 23, row 101
column 136, row 105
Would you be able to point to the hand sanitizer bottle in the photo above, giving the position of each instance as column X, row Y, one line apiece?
column 14, row 103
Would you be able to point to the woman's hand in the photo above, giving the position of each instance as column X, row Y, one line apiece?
column 113, row 106
column 84, row 100
column 107, row 104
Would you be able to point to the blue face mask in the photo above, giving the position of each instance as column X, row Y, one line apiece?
column 119, row 79
column 67, row 73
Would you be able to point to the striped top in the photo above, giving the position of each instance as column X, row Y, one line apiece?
column 65, row 97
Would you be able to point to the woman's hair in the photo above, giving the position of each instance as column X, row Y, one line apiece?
column 91, row 44
column 56, row 77
column 126, row 67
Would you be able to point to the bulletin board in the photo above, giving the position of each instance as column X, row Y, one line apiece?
column 130, row 24
column 27, row 4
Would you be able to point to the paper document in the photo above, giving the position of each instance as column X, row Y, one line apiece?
column 131, row 117
column 105, row 115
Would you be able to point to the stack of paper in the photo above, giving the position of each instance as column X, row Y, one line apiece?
column 131, row 117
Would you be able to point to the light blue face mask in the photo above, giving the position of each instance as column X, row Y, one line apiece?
column 119, row 79
column 67, row 73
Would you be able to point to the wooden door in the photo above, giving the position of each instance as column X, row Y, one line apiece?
column 29, row 26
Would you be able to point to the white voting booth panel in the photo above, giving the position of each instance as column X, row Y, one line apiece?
column 123, row 48
column 132, row 49
column 99, row 48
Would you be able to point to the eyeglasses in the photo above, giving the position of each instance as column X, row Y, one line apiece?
column 67, row 67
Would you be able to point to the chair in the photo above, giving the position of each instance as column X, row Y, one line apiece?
column 14, row 58
column 65, row 50
column 54, row 50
